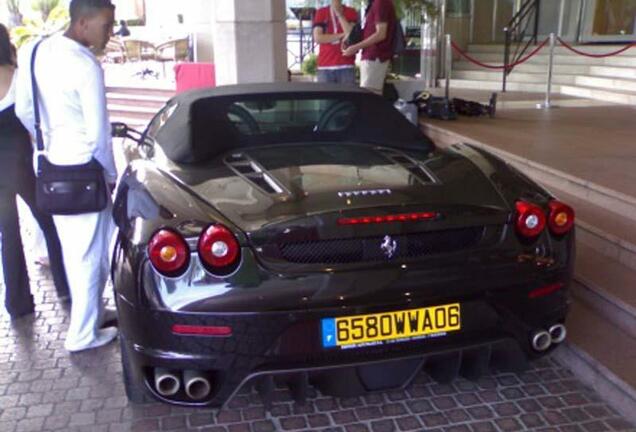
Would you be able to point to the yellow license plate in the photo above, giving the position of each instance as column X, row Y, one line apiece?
column 395, row 326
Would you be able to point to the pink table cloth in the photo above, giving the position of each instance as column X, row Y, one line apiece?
column 194, row 75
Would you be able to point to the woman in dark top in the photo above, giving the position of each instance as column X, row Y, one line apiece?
column 17, row 178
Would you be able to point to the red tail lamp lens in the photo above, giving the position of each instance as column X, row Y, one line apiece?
column 218, row 248
column 530, row 219
column 546, row 290
column 561, row 219
column 168, row 253
column 197, row 330
column 403, row 217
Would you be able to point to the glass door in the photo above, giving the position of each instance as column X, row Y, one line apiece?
column 560, row 17
column 609, row 21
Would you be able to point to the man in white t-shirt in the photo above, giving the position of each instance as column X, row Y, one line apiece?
column 72, row 103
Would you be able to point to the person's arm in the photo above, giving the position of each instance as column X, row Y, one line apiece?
column 23, row 93
column 378, row 36
column 344, row 23
column 92, row 95
column 322, row 38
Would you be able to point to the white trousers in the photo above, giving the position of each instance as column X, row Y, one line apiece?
column 372, row 74
column 85, row 245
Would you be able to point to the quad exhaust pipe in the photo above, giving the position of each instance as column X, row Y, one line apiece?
column 167, row 383
column 558, row 333
column 197, row 385
column 542, row 339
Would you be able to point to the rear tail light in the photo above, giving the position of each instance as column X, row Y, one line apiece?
column 169, row 253
column 561, row 217
column 545, row 290
column 530, row 219
column 219, row 250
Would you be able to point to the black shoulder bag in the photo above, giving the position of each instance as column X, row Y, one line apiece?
column 65, row 189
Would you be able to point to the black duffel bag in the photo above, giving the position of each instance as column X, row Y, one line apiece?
column 65, row 189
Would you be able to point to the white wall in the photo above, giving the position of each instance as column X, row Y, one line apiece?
column 162, row 23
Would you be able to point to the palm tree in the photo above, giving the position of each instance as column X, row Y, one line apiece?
column 51, row 21
column 15, row 16
column 45, row 7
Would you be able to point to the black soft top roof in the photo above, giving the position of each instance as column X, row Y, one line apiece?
column 265, row 88
column 197, row 128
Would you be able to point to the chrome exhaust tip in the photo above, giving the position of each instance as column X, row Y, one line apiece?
column 541, row 340
column 558, row 332
column 197, row 386
column 166, row 382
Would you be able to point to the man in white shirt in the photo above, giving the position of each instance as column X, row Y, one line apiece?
column 76, row 128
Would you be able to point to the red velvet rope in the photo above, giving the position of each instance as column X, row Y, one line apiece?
column 500, row 67
column 574, row 50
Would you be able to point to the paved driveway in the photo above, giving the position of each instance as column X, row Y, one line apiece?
column 42, row 387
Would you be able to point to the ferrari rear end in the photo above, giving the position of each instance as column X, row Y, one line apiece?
column 345, row 267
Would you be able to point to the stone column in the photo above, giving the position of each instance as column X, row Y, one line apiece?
column 249, row 41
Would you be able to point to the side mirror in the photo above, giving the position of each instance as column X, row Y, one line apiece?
column 120, row 130
column 144, row 143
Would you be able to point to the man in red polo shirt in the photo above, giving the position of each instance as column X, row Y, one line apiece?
column 376, row 44
column 331, row 25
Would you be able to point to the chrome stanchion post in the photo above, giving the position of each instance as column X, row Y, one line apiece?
column 449, row 63
column 548, row 91
column 506, row 58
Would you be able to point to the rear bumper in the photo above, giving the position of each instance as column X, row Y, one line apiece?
column 287, row 346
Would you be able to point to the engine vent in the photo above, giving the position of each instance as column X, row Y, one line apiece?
column 370, row 249
column 251, row 170
column 418, row 170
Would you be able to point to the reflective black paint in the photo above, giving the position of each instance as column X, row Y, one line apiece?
column 274, row 306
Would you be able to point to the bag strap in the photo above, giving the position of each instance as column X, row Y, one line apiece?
column 39, row 139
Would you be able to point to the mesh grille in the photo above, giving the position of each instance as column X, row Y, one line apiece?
column 368, row 249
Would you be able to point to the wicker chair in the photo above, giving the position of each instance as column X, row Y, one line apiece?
column 139, row 50
column 172, row 51
column 114, row 52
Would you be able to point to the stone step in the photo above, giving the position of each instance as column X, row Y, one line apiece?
column 621, row 97
column 581, row 70
column 602, row 355
column 561, row 50
column 129, row 99
column 606, row 286
column 605, row 260
column 496, row 86
column 160, row 91
column 619, row 61
column 515, row 76
column 599, row 226
column 131, row 112
column 603, row 197
column 615, row 72
column 542, row 58
column 615, row 84
column 531, row 68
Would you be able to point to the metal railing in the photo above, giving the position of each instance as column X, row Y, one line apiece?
column 516, row 33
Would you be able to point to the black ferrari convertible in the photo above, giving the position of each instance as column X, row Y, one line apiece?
column 309, row 235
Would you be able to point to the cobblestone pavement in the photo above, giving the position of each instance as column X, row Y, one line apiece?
column 42, row 387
